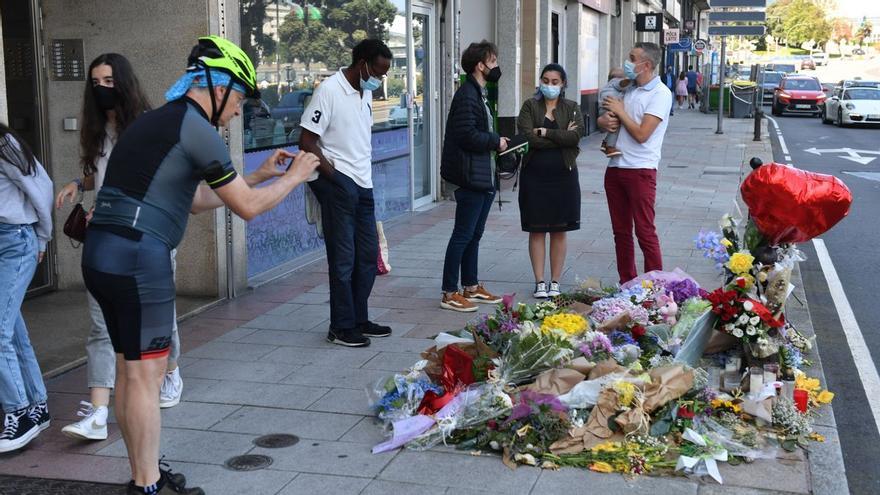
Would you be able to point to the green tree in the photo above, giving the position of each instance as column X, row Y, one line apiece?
column 804, row 21
column 255, row 43
column 343, row 24
column 864, row 31
column 776, row 13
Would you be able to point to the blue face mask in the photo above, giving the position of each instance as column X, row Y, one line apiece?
column 371, row 83
column 629, row 69
column 550, row 92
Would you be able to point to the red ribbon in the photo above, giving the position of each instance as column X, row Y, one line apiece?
column 457, row 372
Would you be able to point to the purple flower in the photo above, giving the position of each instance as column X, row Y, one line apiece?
column 597, row 348
column 619, row 338
column 530, row 402
column 683, row 290
column 710, row 243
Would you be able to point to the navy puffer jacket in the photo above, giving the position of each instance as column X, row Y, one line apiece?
column 466, row 159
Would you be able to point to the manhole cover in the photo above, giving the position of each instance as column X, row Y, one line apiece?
column 249, row 462
column 276, row 441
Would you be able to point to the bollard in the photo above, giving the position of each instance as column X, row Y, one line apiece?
column 759, row 113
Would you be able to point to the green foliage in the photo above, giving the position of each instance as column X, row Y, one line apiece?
column 798, row 21
column 864, row 31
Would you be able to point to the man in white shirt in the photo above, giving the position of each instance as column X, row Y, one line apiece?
column 631, row 178
column 336, row 126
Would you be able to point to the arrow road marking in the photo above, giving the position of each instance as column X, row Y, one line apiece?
column 875, row 176
column 852, row 155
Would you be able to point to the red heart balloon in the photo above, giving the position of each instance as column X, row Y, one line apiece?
column 793, row 205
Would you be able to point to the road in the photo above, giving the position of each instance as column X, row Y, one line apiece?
column 852, row 246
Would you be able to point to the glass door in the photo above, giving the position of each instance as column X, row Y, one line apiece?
column 423, row 105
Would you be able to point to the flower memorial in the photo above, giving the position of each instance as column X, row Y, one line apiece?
column 654, row 376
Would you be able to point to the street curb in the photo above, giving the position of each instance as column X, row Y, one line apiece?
column 825, row 460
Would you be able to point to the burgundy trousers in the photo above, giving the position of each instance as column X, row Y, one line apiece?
column 631, row 194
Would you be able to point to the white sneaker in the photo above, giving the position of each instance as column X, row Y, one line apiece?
column 93, row 426
column 540, row 290
column 554, row 290
column 172, row 388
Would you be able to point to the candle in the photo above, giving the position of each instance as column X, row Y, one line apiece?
column 788, row 389
column 770, row 372
column 756, row 380
column 800, row 399
column 732, row 380
column 732, row 364
column 714, row 377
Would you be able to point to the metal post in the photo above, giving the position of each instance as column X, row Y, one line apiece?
column 721, row 87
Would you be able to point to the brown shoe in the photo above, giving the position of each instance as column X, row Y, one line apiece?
column 612, row 151
column 603, row 146
column 457, row 302
column 481, row 295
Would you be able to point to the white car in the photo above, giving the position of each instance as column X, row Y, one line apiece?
column 820, row 58
column 853, row 105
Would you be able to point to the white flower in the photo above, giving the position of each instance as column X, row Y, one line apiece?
column 748, row 305
column 743, row 320
column 750, row 330
column 737, row 332
column 729, row 327
column 494, row 445
column 754, row 320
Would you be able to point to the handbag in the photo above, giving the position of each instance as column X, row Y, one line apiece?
column 382, row 265
column 75, row 225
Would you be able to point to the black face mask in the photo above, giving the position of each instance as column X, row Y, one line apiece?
column 494, row 74
column 105, row 97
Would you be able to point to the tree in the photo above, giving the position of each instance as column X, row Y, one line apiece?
column 342, row 25
column 864, row 31
column 255, row 43
column 776, row 13
column 804, row 21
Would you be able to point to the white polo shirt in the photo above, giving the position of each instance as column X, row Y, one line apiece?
column 654, row 99
column 343, row 119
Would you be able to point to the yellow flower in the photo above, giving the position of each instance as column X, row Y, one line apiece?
column 626, row 392
column 726, row 243
column 816, row 437
column 606, row 447
column 569, row 323
column 601, row 467
column 740, row 263
column 806, row 383
column 824, row 397
column 647, row 284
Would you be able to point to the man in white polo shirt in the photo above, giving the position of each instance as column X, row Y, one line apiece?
column 336, row 126
column 631, row 178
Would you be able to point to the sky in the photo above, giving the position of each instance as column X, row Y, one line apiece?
column 858, row 8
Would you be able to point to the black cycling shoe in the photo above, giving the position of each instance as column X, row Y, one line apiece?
column 177, row 479
column 370, row 329
column 348, row 337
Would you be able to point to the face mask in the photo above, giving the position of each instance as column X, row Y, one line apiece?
column 494, row 74
column 629, row 69
column 105, row 97
column 550, row 92
column 371, row 83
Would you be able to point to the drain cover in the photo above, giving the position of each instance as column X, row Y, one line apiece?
column 276, row 441
column 249, row 462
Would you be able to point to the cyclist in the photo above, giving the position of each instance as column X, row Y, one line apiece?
column 151, row 186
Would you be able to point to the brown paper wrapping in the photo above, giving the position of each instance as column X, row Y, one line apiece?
column 605, row 367
column 619, row 321
column 434, row 356
column 720, row 342
column 556, row 381
column 580, row 308
column 580, row 364
column 595, row 431
column 667, row 383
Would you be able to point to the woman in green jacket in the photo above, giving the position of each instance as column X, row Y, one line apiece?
column 550, row 195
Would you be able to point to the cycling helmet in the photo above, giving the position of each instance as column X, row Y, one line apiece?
column 214, row 52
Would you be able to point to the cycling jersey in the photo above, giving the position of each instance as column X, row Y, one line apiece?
column 155, row 168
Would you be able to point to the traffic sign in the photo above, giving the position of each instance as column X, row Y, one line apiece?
column 652, row 22
column 736, row 30
column 751, row 16
column 738, row 3
column 700, row 46
column 671, row 36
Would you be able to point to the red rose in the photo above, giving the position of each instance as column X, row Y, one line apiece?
column 741, row 283
column 492, row 424
column 684, row 412
column 638, row 332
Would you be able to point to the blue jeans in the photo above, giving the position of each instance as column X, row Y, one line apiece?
column 471, row 211
column 352, row 242
column 21, row 382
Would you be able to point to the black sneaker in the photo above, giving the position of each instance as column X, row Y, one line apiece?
column 40, row 415
column 349, row 338
column 177, row 479
column 370, row 329
column 167, row 485
column 18, row 430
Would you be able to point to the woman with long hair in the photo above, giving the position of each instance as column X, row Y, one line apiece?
column 112, row 100
column 550, row 194
column 25, row 230
column 681, row 89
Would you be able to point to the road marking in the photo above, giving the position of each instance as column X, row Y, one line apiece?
column 787, row 158
column 779, row 134
column 875, row 176
column 852, row 155
column 854, row 338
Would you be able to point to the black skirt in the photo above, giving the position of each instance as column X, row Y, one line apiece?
column 549, row 194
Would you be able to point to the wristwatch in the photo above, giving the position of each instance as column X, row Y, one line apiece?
column 79, row 184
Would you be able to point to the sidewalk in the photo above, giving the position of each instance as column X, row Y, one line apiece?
column 260, row 364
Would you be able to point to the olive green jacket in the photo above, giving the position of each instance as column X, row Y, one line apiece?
column 531, row 116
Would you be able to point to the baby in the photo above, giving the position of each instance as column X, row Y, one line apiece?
column 617, row 85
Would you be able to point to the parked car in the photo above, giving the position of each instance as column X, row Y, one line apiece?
column 798, row 94
column 849, row 83
column 854, row 105
column 259, row 126
column 821, row 58
column 858, row 51
column 291, row 107
column 744, row 74
column 808, row 64
column 769, row 80
column 397, row 117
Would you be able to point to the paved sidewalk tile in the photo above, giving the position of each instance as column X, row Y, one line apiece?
column 207, row 447
column 322, row 483
column 323, row 457
column 304, row 424
column 220, row 480
column 252, row 394
column 460, row 471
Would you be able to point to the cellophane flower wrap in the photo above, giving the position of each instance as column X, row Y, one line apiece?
column 530, row 353
column 398, row 396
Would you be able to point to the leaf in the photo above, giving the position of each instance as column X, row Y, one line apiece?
column 660, row 428
column 789, row 445
column 734, row 460
column 612, row 424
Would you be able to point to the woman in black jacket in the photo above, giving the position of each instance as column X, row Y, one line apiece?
column 467, row 163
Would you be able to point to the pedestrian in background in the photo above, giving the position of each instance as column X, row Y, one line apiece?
column 25, row 230
column 631, row 179
column 681, row 89
column 692, row 84
column 550, row 194
column 467, row 163
column 669, row 80
column 112, row 100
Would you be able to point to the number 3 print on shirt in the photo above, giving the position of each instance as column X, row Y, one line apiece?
column 317, row 117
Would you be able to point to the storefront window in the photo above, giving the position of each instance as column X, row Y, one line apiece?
column 295, row 45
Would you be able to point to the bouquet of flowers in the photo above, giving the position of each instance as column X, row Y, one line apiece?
column 742, row 317
column 398, row 396
column 569, row 324
column 530, row 352
column 638, row 454
column 596, row 347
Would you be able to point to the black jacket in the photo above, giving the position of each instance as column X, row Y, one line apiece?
column 466, row 159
